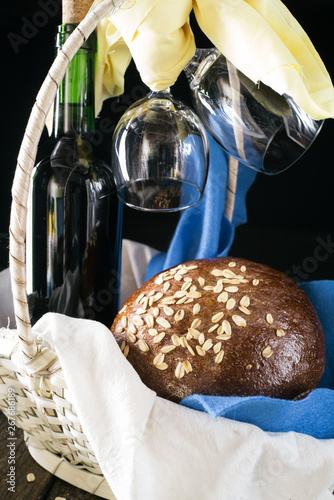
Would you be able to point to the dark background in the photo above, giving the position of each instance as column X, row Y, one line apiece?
column 289, row 215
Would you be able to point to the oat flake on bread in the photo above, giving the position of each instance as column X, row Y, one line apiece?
column 225, row 327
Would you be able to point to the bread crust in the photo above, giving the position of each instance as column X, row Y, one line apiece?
column 223, row 327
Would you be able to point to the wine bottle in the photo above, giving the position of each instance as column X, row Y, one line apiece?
column 74, row 216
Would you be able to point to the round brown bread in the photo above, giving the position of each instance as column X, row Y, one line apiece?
column 223, row 326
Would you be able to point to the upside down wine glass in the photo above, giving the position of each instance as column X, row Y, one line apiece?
column 160, row 154
column 253, row 123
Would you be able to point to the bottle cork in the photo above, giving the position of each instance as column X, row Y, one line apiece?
column 74, row 11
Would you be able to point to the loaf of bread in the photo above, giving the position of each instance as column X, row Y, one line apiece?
column 224, row 327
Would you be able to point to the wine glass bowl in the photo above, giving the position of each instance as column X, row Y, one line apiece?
column 160, row 154
column 261, row 128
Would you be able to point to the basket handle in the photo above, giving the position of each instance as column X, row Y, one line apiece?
column 25, row 164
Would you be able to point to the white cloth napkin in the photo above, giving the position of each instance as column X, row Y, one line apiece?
column 135, row 257
column 151, row 449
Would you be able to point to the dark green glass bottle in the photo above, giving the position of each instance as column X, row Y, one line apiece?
column 75, row 218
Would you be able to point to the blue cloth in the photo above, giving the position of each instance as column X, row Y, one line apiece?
column 313, row 415
column 203, row 231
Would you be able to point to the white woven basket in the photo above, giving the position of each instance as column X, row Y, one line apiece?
column 43, row 407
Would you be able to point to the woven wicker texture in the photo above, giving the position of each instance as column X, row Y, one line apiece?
column 43, row 406
column 233, row 166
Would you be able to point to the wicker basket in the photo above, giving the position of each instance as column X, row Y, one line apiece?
column 28, row 368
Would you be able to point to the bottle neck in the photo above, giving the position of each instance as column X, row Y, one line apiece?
column 74, row 111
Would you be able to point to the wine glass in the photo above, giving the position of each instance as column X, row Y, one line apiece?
column 261, row 128
column 160, row 154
